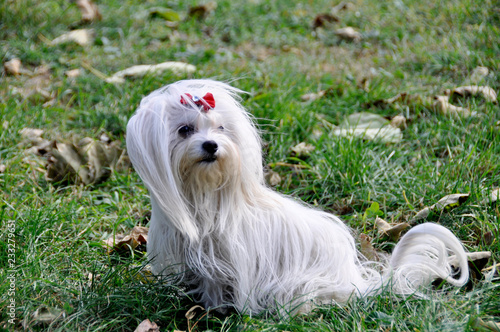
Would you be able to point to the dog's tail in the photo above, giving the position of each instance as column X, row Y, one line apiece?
column 425, row 254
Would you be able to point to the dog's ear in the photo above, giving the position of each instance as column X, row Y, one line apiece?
column 148, row 148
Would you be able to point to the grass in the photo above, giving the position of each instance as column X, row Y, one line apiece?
column 418, row 47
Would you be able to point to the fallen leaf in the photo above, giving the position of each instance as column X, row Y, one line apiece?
column 202, row 11
column 141, row 70
column 492, row 197
column 393, row 231
column 478, row 74
column 89, row 11
column 401, row 98
column 37, row 88
column 366, row 248
column 87, row 162
column 73, row 73
column 45, row 315
column 273, row 178
column 479, row 325
column 324, row 19
column 2, row 168
column 302, row 150
column 473, row 90
column 444, row 204
column 164, row 13
column 190, row 314
column 82, row 37
column 147, row 326
column 121, row 243
column 368, row 126
column 12, row 67
column 313, row 96
column 443, row 106
column 348, row 34
column 398, row 121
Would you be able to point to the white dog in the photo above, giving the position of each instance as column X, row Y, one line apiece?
column 237, row 242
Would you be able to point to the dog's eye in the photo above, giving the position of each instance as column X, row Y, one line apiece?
column 221, row 128
column 185, row 131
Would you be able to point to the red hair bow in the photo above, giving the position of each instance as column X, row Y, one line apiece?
column 207, row 101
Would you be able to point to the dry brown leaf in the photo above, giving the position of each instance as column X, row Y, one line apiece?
column 273, row 178
column 12, row 67
column 141, row 70
column 37, row 88
column 73, row 73
column 121, row 243
column 89, row 10
column 87, row 162
column 480, row 325
column 366, row 248
column 302, row 150
column 82, row 37
column 202, row 11
column 2, row 168
column 324, row 19
column 446, row 203
column 492, row 197
column 348, row 34
column 398, row 121
column 473, row 90
column 442, row 105
column 313, row 96
column 147, row 326
column 478, row 74
column 393, row 231
column 190, row 314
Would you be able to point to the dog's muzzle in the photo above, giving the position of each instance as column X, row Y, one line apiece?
column 209, row 148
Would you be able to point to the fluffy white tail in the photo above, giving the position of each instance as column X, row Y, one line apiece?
column 423, row 255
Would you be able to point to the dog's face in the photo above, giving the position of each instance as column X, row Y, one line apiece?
column 204, row 148
column 192, row 138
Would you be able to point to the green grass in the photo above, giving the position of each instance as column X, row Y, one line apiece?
column 269, row 47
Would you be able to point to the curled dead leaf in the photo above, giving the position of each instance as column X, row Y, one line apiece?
column 302, row 150
column 324, row 19
column 480, row 325
column 492, row 197
column 446, row 203
column 368, row 126
column 313, row 96
column 273, row 178
column 478, row 74
column 12, row 67
column 191, row 313
column 473, row 90
column 45, row 315
column 147, row 326
column 348, row 34
column 82, row 37
column 73, row 73
column 398, row 121
column 141, row 70
column 393, row 231
column 342, row 6
column 89, row 10
column 87, row 162
column 366, row 248
column 442, row 105
column 123, row 243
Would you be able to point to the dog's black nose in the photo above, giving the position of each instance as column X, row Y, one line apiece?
column 210, row 147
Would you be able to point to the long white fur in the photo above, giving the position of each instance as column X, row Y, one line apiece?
column 239, row 243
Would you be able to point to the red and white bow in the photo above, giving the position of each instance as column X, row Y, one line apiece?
column 207, row 101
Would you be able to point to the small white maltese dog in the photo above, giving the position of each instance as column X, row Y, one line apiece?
column 237, row 242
